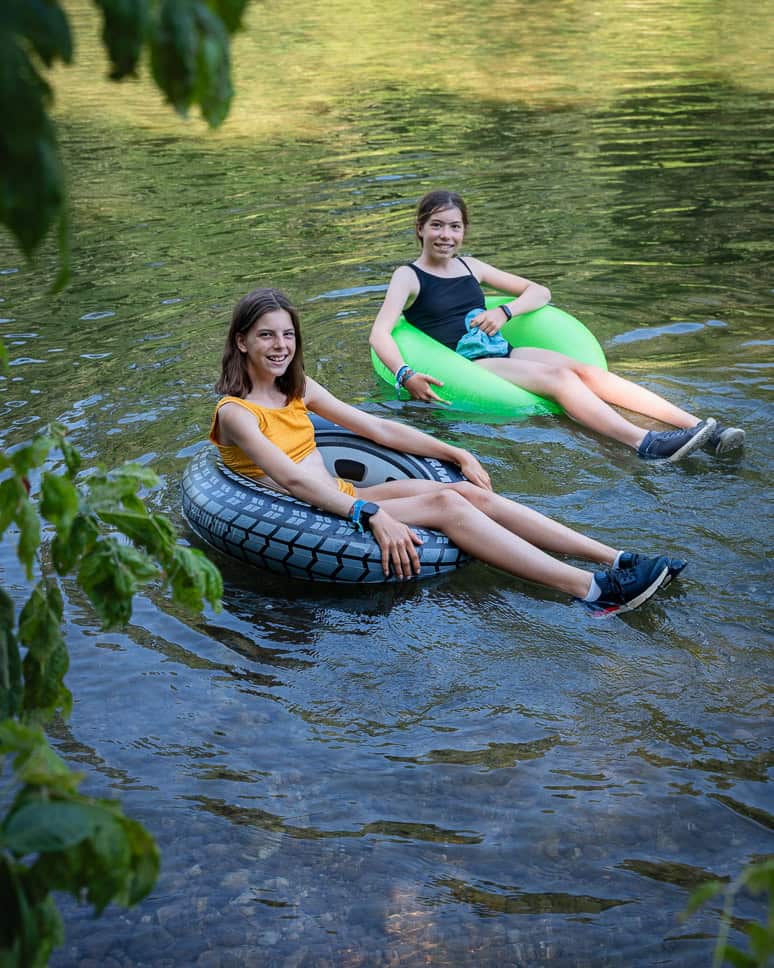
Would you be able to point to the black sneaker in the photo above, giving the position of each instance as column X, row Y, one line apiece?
column 624, row 589
column 674, row 444
column 629, row 559
column 724, row 439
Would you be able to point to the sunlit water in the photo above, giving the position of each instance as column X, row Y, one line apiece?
column 469, row 771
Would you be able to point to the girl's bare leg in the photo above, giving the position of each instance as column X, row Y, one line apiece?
column 586, row 392
column 532, row 526
column 448, row 511
column 616, row 389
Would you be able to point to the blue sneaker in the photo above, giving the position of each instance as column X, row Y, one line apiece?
column 629, row 559
column 724, row 439
column 673, row 444
column 624, row 589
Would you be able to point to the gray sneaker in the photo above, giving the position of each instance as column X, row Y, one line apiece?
column 672, row 445
column 724, row 439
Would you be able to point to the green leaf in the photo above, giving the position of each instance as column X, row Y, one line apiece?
column 29, row 535
column 64, row 247
column 31, row 455
column 72, row 456
column 58, row 499
column 11, row 689
column 44, row 24
column 194, row 579
column 18, row 738
column 117, row 861
column 39, row 622
column 173, row 44
column 761, row 942
column 45, row 825
column 123, row 33
column 36, row 763
column 44, row 690
column 153, row 532
column 110, row 575
column 738, row 958
column 68, row 547
column 12, row 495
column 110, row 492
column 760, row 877
column 212, row 89
column 44, row 768
column 190, row 57
column 702, row 894
column 30, row 926
column 31, row 174
column 145, row 861
column 230, row 12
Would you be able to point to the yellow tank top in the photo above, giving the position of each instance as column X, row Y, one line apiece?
column 288, row 427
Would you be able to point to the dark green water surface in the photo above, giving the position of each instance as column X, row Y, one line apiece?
column 467, row 772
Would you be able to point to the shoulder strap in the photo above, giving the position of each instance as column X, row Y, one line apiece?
column 466, row 265
column 252, row 407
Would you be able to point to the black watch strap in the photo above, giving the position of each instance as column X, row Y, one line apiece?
column 367, row 511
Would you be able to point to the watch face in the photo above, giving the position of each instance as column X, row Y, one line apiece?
column 367, row 511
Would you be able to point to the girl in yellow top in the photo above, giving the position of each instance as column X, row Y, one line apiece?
column 262, row 428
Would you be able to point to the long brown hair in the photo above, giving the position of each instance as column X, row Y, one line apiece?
column 234, row 379
column 438, row 201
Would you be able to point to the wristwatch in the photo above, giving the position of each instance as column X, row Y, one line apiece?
column 367, row 511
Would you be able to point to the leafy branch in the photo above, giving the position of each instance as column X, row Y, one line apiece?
column 188, row 45
column 52, row 837
column 756, row 878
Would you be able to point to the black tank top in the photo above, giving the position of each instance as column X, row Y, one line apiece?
column 442, row 304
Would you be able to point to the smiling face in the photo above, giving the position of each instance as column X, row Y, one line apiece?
column 269, row 345
column 442, row 233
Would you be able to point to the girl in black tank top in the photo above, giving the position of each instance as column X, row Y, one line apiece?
column 436, row 298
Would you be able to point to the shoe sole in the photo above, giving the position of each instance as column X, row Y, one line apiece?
column 644, row 595
column 730, row 439
column 695, row 442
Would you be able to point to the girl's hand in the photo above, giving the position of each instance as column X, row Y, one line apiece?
column 473, row 470
column 419, row 386
column 491, row 321
column 397, row 543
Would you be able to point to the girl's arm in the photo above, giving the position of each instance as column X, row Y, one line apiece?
column 391, row 433
column 403, row 286
column 531, row 295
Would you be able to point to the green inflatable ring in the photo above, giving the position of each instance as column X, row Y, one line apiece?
column 472, row 388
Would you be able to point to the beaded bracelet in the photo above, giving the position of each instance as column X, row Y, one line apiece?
column 402, row 374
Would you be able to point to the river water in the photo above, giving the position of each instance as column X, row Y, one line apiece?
column 469, row 771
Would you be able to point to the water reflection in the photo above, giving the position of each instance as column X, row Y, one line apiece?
column 464, row 771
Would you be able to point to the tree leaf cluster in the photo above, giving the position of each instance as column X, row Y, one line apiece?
column 54, row 838
column 98, row 529
column 756, row 878
column 188, row 45
column 100, row 533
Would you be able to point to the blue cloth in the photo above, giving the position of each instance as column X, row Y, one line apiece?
column 475, row 345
